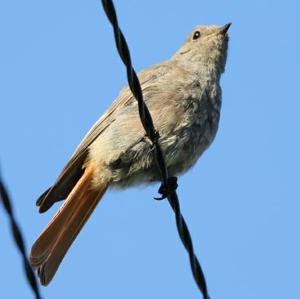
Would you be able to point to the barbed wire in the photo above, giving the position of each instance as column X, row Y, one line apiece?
column 168, row 187
column 19, row 240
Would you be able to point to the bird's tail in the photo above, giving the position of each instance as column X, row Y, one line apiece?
column 53, row 243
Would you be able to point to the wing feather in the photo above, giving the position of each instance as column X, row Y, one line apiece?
column 73, row 170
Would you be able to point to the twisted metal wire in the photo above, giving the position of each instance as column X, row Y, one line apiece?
column 153, row 135
column 19, row 240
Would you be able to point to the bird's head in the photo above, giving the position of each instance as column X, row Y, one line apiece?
column 205, row 46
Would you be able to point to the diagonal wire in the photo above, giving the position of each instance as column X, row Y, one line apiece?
column 19, row 240
column 153, row 135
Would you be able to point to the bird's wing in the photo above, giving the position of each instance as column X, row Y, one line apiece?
column 125, row 98
column 74, row 168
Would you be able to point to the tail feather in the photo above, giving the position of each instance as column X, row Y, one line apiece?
column 43, row 245
column 52, row 245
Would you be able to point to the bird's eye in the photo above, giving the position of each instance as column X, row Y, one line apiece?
column 196, row 35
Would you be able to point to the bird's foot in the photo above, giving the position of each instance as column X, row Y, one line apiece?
column 166, row 190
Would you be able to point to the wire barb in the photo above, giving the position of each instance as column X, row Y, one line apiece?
column 153, row 135
column 19, row 240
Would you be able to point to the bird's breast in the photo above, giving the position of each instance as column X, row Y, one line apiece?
column 194, row 134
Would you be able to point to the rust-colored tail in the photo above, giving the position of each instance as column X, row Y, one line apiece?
column 53, row 243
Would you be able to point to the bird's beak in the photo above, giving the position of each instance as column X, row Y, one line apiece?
column 225, row 28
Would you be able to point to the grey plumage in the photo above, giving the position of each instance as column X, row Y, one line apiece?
column 183, row 95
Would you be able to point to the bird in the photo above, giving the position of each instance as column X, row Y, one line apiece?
column 183, row 95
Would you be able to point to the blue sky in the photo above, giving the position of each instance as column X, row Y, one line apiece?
column 60, row 71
